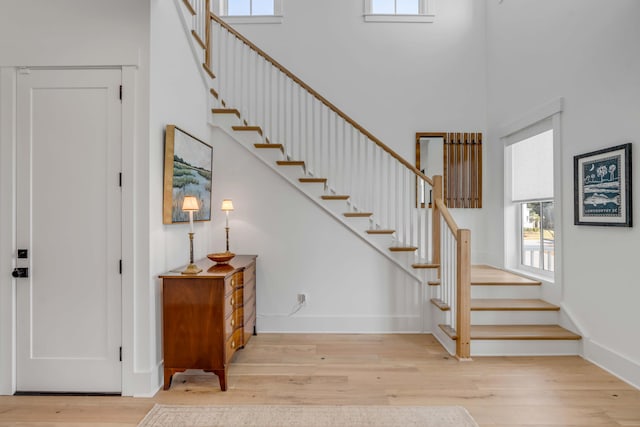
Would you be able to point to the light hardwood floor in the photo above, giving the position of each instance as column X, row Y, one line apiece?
column 310, row 369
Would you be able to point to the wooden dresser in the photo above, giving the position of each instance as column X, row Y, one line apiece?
column 208, row 316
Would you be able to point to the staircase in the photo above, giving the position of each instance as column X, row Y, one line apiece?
column 507, row 317
column 363, row 184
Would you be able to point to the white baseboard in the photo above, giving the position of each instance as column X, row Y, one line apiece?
column 148, row 383
column 616, row 364
column 282, row 323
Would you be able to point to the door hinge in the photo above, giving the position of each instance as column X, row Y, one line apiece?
column 120, row 267
column 120, row 179
column 121, row 354
column 120, row 92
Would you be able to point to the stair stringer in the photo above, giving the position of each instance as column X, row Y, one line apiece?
column 440, row 318
column 317, row 201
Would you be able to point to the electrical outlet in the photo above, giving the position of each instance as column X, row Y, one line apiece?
column 302, row 298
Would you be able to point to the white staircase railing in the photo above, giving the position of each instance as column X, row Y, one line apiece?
column 311, row 129
column 454, row 258
column 333, row 146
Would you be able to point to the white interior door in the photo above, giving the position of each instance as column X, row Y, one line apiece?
column 69, row 219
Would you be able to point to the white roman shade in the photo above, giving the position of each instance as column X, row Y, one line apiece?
column 532, row 167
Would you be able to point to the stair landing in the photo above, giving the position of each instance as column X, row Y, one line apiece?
column 483, row 275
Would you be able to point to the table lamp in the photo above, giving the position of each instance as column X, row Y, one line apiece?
column 190, row 204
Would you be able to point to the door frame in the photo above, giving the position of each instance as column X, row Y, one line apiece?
column 8, row 141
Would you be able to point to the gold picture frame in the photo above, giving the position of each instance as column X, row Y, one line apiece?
column 188, row 170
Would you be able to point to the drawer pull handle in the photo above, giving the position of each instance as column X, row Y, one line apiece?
column 233, row 344
column 233, row 301
column 233, row 282
column 233, row 322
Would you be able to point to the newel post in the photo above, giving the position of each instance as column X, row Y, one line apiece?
column 435, row 220
column 463, row 291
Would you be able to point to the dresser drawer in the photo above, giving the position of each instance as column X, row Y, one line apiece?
column 233, row 343
column 232, row 301
column 232, row 282
column 231, row 323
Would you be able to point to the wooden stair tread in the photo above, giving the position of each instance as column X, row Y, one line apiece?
column 515, row 332
column 358, row 214
column 214, row 93
column 508, row 304
column 318, row 180
column 188, row 5
column 290, row 163
column 334, row 197
column 247, row 129
column 433, row 283
column 443, row 306
column 403, row 249
column 425, row 265
column 226, row 111
column 451, row 333
column 198, row 39
column 485, row 275
column 208, row 70
column 380, row 231
column 268, row 146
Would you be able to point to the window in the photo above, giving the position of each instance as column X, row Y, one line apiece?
column 537, row 236
column 531, row 159
column 532, row 189
column 249, row 11
column 398, row 11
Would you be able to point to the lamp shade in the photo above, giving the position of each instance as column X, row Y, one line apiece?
column 190, row 203
column 227, row 205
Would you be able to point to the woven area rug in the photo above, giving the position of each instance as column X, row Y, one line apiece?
column 307, row 416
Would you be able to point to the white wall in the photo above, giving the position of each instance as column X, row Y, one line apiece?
column 585, row 51
column 82, row 33
column 395, row 79
column 178, row 97
column 302, row 249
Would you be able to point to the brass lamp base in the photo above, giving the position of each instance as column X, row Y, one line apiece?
column 192, row 269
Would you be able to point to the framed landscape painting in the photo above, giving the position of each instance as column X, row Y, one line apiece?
column 188, row 167
column 602, row 187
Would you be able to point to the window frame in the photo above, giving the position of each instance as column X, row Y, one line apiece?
column 521, row 265
column 539, row 120
column 220, row 8
column 425, row 13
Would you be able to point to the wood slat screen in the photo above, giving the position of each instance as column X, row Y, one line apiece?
column 462, row 161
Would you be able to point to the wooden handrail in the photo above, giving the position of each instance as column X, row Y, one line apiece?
column 447, row 217
column 320, row 98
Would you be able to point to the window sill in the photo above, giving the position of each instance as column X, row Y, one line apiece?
column 399, row 18
column 533, row 275
column 271, row 19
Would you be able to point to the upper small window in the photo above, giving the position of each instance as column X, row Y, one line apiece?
column 398, row 11
column 250, row 11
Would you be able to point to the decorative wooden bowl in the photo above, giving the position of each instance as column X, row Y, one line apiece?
column 221, row 257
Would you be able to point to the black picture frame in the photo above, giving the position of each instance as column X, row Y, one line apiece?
column 602, row 187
